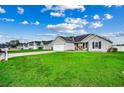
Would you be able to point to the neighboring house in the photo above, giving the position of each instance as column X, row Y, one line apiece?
column 120, row 47
column 31, row 45
column 47, row 45
column 87, row 42
column 23, row 46
column 35, row 45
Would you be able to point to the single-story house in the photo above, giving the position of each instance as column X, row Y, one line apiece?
column 86, row 42
column 35, row 45
column 120, row 47
column 23, row 46
column 47, row 45
column 31, row 45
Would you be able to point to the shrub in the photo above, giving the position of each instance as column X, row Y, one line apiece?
column 112, row 49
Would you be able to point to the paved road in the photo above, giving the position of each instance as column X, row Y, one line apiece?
column 27, row 54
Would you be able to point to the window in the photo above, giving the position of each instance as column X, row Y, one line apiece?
column 93, row 45
column 86, row 44
column 96, row 45
column 99, row 44
column 83, row 45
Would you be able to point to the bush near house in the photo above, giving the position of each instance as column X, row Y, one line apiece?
column 112, row 49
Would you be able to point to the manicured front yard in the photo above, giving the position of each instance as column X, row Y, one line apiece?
column 64, row 69
column 22, row 51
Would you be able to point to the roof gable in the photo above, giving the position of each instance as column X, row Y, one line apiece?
column 81, row 37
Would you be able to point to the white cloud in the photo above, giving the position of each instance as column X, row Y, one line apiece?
column 24, row 22
column 96, row 17
column 35, row 23
column 20, row 10
column 97, row 24
column 108, row 16
column 58, row 10
column 57, row 14
column 116, row 37
column 63, row 7
column 47, row 34
column 47, row 8
column 78, row 21
column 109, row 6
column 114, row 34
column 63, row 27
column 78, row 32
column 7, row 19
column 72, row 7
column 67, row 28
column 70, row 26
column 1, row 36
column 85, row 16
column 2, row 10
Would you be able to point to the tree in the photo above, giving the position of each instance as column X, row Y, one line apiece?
column 14, row 43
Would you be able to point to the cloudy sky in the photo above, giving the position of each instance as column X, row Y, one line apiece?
column 46, row 22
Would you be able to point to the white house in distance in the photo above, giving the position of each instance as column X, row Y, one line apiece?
column 35, row 45
column 87, row 42
column 31, row 45
column 46, row 45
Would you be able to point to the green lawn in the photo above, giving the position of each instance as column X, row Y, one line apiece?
column 22, row 51
column 64, row 69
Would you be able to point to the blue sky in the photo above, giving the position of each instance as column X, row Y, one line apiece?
column 46, row 22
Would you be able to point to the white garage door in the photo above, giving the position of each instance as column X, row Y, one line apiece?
column 58, row 47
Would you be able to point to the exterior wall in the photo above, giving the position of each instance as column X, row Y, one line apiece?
column 24, row 47
column 88, row 38
column 64, row 45
column 59, row 41
column 120, row 48
column 58, row 47
column 48, row 47
column 105, row 45
column 59, row 44
column 34, row 46
column 69, row 46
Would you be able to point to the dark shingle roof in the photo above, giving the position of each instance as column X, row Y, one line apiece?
column 105, row 39
column 119, row 45
column 35, row 42
column 47, row 42
column 68, row 39
column 81, row 37
column 75, row 39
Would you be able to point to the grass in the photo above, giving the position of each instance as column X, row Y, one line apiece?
column 22, row 51
column 64, row 69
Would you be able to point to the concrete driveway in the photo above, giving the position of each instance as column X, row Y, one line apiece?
column 28, row 53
